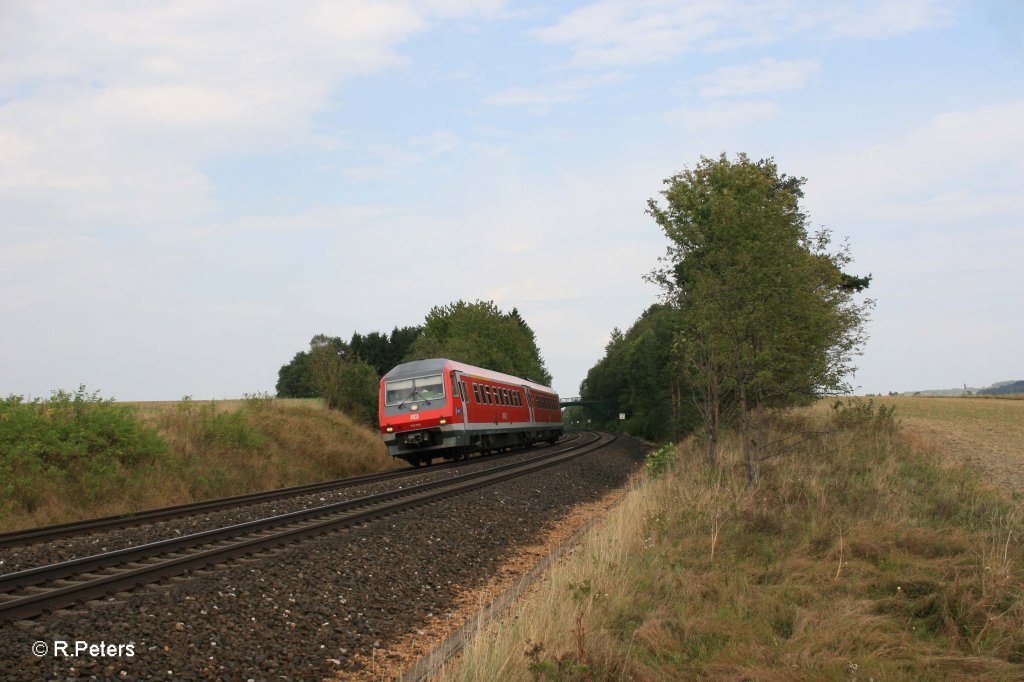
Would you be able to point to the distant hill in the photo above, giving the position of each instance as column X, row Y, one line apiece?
column 1003, row 388
column 998, row 388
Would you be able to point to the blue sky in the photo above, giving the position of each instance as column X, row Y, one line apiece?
column 190, row 191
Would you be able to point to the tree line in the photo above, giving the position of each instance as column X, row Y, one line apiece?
column 757, row 314
column 346, row 375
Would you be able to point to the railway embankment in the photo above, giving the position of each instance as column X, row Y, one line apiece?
column 77, row 456
column 866, row 552
column 332, row 604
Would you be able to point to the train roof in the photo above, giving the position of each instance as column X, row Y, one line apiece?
column 419, row 368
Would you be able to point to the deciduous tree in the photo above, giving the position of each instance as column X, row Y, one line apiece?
column 767, row 316
column 481, row 334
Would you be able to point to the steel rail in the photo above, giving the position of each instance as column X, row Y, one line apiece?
column 167, row 558
column 72, row 529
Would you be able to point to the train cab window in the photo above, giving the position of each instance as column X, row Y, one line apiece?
column 419, row 389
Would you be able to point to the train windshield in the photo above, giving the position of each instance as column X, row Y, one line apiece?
column 420, row 389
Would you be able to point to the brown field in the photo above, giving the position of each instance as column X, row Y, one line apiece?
column 984, row 432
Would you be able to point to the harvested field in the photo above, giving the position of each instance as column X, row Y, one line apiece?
column 987, row 433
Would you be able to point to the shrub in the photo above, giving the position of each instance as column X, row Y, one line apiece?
column 77, row 440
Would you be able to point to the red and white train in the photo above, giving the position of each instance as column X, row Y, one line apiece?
column 442, row 408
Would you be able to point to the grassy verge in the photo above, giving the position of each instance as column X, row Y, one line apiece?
column 77, row 455
column 862, row 554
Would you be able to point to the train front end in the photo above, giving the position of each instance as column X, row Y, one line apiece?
column 417, row 411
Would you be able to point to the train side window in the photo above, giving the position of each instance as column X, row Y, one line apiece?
column 504, row 396
column 476, row 393
column 487, row 395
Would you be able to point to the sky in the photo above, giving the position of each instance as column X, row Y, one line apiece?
column 189, row 191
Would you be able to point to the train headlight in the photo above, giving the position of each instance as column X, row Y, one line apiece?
column 390, row 429
column 442, row 420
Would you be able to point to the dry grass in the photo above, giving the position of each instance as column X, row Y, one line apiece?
column 861, row 555
column 222, row 448
column 984, row 432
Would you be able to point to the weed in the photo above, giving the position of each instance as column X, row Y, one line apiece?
column 660, row 460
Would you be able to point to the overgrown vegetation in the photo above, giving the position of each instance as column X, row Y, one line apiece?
column 79, row 455
column 77, row 443
column 861, row 554
column 758, row 312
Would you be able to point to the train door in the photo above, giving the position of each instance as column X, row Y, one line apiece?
column 529, row 405
column 459, row 391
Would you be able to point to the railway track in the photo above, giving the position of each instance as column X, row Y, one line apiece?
column 29, row 593
column 74, row 529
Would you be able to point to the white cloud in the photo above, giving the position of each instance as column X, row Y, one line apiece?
column 438, row 142
column 110, row 110
column 958, row 164
column 763, row 76
column 625, row 32
column 723, row 116
column 541, row 98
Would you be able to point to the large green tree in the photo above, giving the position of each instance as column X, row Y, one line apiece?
column 384, row 351
column 343, row 380
column 637, row 377
column 332, row 371
column 381, row 351
column 767, row 318
column 481, row 334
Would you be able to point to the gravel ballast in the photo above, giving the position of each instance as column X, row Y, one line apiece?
column 317, row 608
column 15, row 559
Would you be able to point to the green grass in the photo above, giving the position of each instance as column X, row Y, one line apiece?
column 861, row 554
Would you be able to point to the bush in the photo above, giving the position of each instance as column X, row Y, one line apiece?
column 76, row 440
